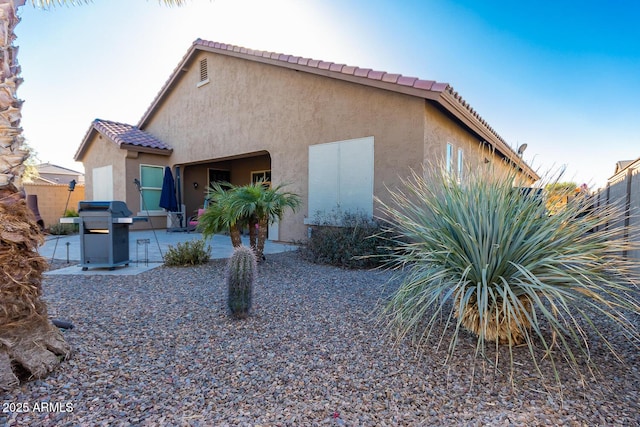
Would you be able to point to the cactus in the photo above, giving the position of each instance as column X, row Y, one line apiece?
column 241, row 273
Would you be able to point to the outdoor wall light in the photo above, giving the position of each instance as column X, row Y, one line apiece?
column 195, row 185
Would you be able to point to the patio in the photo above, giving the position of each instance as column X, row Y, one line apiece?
column 67, row 248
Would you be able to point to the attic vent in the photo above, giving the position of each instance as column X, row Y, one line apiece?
column 204, row 72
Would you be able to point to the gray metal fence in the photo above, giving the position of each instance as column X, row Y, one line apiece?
column 623, row 190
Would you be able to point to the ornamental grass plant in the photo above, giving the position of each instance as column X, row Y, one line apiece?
column 195, row 252
column 483, row 255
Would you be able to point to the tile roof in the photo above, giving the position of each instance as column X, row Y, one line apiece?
column 124, row 134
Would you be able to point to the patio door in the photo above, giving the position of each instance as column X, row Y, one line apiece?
column 219, row 175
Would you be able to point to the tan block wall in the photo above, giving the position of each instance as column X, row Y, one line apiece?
column 52, row 199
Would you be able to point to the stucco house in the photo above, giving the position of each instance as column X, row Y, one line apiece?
column 337, row 135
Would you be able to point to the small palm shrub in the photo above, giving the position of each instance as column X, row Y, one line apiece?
column 189, row 253
column 486, row 257
column 241, row 273
column 345, row 239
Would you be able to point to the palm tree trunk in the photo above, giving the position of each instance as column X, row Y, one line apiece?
column 263, row 228
column 29, row 343
column 253, row 233
column 234, row 233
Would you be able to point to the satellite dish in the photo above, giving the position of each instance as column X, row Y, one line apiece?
column 521, row 149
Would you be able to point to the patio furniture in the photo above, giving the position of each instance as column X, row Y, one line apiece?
column 192, row 224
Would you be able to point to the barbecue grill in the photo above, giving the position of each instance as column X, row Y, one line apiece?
column 104, row 233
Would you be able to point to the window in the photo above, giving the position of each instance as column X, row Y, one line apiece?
column 449, row 161
column 204, row 72
column 261, row 176
column 341, row 177
column 150, row 187
column 460, row 163
column 218, row 175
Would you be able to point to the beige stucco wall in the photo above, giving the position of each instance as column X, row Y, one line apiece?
column 126, row 167
column 132, row 171
column 248, row 106
column 253, row 116
column 440, row 129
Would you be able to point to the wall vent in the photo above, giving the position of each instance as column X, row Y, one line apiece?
column 204, row 72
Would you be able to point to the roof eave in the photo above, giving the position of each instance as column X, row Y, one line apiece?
column 149, row 150
column 451, row 104
column 84, row 144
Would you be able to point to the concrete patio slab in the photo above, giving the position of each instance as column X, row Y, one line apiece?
column 145, row 247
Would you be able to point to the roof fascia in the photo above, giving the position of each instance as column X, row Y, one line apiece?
column 84, row 144
column 149, row 150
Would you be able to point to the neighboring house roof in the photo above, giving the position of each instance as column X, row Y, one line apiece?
column 49, row 168
column 125, row 136
column 40, row 180
column 622, row 168
column 441, row 94
column 622, row 165
column 49, row 173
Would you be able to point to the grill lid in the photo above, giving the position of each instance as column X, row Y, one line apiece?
column 116, row 208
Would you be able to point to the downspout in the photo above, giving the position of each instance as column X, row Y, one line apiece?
column 179, row 187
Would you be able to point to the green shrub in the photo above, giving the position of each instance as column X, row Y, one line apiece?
column 345, row 239
column 241, row 273
column 72, row 213
column 188, row 253
column 480, row 256
column 61, row 229
column 64, row 229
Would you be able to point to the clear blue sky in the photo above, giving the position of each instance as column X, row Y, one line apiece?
column 561, row 76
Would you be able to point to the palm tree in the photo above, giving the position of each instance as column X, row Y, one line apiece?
column 29, row 343
column 255, row 206
column 269, row 209
column 220, row 215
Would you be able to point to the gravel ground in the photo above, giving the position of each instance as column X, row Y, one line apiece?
column 160, row 349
